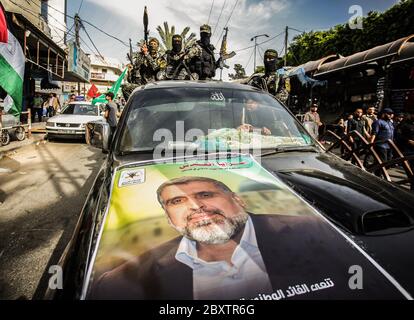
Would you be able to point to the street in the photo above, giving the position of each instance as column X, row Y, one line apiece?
column 42, row 189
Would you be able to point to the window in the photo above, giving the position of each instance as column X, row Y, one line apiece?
column 44, row 9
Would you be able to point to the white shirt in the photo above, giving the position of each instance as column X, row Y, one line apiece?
column 218, row 280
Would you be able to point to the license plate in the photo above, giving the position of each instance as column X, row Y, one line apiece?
column 68, row 131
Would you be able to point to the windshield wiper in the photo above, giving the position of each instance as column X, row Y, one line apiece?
column 289, row 148
column 142, row 151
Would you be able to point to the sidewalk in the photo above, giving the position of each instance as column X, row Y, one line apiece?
column 38, row 134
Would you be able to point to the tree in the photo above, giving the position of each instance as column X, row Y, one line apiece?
column 378, row 28
column 166, row 35
column 240, row 73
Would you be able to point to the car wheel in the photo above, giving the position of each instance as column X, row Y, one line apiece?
column 20, row 133
column 5, row 137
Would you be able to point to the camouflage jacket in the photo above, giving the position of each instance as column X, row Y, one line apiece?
column 268, row 83
column 145, row 68
column 203, row 61
column 174, row 62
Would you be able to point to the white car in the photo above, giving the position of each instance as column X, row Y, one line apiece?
column 70, row 123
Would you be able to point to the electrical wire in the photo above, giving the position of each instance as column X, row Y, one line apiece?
column 87, row 22
column 218, row 20
column 80, row 7
column 209, row 15
column 266, row 41
column 248, row 61
column 84, row 29
column 227, row 22
column 104, row 32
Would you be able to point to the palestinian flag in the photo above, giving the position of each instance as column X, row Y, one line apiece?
column 12, row 61
column 115, row 88
column 93, row 91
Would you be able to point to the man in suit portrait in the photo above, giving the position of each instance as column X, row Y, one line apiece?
column 225, row 252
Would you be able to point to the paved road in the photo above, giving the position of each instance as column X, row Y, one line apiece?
column 42, row 190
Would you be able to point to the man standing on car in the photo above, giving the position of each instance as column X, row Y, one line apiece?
column 110, row 112
column 268, row 82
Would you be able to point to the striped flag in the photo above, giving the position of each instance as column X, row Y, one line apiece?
column 12, row 61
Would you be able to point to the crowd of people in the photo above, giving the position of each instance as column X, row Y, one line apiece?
column 43, row 106
column 378, row 128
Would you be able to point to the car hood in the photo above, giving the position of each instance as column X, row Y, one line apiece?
column 350, row 197
column 69, row 118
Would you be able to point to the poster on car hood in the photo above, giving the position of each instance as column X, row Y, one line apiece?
column 223, row 228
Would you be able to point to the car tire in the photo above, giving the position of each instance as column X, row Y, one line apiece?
column 20, row 133
column 5, row 138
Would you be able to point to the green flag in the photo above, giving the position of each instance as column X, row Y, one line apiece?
column 114, row 89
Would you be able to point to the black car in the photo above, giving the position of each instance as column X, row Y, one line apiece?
column 214, row 190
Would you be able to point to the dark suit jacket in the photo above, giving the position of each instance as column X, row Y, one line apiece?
column 295, row 249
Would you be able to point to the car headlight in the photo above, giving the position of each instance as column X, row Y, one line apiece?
column 50, row 124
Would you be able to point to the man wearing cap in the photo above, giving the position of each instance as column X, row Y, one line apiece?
column 177, row 60
column 382, row 131
column 147, row 63
column 270, row 80
column 203, row 62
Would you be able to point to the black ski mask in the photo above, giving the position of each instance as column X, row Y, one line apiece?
column 270, row 61
column 205, row 39
column 177, row 44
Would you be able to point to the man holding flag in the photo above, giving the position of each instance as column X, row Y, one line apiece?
column 12, row 62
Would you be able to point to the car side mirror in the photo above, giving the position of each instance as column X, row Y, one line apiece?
column 98, row 134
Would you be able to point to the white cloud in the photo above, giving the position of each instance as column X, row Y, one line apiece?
column 249, row 18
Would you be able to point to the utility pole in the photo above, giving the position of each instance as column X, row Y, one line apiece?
column 286, row 44
column 78, row 24
column 255, row 47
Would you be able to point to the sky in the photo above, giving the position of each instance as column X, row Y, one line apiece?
column 123, row 19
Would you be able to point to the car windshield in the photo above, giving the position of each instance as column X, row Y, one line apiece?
column 81, row 109
column 225, row 119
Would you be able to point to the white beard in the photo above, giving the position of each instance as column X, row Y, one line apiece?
column 214, row 231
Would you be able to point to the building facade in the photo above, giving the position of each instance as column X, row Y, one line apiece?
column 105, row 72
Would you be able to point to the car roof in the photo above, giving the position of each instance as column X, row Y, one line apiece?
column 196, row 84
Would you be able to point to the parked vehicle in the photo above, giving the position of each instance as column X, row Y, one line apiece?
column 214, row 190
column 70, row 123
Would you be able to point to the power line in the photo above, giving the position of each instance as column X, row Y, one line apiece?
column 209, row 15
column 80, row 7
column 227, row 22
column 87, row 22
column 260, row 50
column 218, row 20
column 104, row 32
column 301, row 31
column 266, row 41
column 248, row 61
column 84, row 29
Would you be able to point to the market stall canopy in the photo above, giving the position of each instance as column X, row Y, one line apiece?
column 406, row 51
column 380, row 52
column 314, row 65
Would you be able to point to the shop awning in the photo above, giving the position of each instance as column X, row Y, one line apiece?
column 377, row 53
column 314, row 65
column 406, row 51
